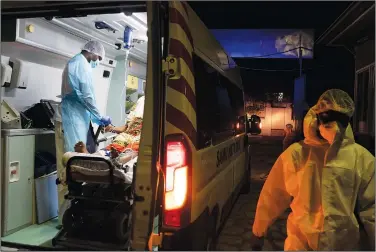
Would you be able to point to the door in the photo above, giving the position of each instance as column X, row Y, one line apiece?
column 148, row 177
column 19, row 179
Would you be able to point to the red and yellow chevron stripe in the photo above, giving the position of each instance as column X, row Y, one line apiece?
column 181, row 98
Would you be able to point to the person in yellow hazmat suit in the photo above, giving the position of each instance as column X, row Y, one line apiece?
column 328, row 181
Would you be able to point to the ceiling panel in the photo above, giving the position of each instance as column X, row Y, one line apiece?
column 85, row 26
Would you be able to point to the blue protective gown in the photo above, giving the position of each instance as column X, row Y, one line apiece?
column 78, row 106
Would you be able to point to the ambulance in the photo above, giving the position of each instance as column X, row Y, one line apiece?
column 193, row 157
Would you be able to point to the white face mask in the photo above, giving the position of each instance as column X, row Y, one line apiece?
column 329, row 131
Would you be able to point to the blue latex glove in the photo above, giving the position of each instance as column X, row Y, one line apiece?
column 106, row 120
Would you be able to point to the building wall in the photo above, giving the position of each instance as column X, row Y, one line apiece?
column 365, row 54
column 364, row 63
column 364, row 58
column 44, row 82
column 48, row 50
column 274, row 120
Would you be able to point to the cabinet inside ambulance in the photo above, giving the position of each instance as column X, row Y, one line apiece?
column 38, row 39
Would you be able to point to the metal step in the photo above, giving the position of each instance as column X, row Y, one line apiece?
column 67, row 242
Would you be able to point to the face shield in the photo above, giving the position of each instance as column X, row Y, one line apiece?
column 330, row 123
column 333, row 110
column 328, row 117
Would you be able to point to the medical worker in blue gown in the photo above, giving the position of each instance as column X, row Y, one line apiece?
column 78, row 105
column 78, row 108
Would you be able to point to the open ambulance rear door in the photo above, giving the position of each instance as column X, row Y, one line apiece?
column 148, row 181
column 177, row 130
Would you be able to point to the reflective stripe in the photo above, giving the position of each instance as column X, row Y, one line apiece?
column 180, row 97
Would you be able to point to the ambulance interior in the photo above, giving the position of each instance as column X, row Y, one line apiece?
column 32, row 65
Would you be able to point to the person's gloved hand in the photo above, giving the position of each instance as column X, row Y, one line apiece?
column 257, row 243
column 109, row 128
column 106, row 120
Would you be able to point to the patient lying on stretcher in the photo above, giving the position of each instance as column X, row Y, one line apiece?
column 125, row 145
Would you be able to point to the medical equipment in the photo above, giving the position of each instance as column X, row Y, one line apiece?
column 55, row 104
column 41, row 114
column 122, row 109
column 101, row 197
column 26, row 123
column 10, row 117
column 103, row 25
column 6, row 75
column 128, row 38
column 118, row 46
column 106, row 138
column 20, row 73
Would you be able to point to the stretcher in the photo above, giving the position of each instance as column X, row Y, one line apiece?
column 101, row 197
column 91, row 168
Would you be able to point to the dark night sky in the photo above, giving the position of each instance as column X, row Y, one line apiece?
column 330, row 68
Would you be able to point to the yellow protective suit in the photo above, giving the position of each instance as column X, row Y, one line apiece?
column 322, row 184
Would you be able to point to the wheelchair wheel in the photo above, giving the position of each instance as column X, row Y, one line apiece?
column 68, row 220
column 122, row 224
column 71, row 221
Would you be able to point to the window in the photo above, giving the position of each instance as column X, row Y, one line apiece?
column 364, row 118
column 237, row 99
column 226, row 113
column 219, row 104
column 206, row 79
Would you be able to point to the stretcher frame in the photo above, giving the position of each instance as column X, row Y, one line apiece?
column 63, row 240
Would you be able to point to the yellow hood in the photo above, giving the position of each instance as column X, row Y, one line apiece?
column 310, row 128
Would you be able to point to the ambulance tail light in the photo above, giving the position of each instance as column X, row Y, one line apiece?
column 177, row 170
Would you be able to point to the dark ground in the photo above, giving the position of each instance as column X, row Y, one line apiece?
column 237, row 231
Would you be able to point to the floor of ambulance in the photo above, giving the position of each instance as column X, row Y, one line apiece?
column 35, row 235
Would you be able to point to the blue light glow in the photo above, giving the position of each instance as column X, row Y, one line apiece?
column 250, row 43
